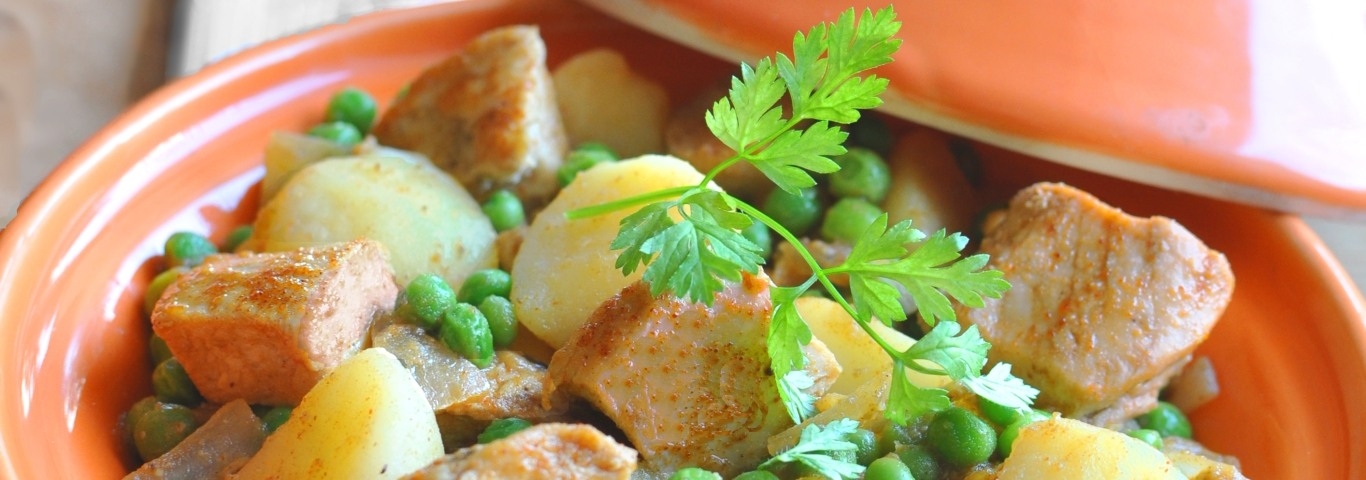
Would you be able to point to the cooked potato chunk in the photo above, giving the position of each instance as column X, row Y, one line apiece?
column 426, row 220
column 927, row 186
column 1066, row 449
column 860, row 358
column 602, row 100
column 367, row 419
column 565, row 268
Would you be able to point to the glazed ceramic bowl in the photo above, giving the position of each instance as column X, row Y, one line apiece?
column 1290, row 351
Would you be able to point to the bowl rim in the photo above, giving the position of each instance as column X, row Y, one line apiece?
column 53, row 197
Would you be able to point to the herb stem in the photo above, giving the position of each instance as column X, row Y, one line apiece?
column 820, row 273
column 631, row 201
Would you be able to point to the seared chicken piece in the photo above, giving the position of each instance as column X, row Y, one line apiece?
column 466, row 398
column 266, row 327
column 1104, row 307
column 689, row 385
column 687, row 137
column 487, row 115
column 549, row 450
column 789, row 268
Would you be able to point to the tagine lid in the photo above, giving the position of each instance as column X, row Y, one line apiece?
column 1255, row 102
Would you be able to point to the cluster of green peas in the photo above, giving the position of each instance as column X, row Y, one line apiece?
column 956, row 439
column 159, row 422
column 843, row 203
column 471, row 322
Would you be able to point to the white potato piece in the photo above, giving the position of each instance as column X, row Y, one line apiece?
column 927, row 186
column 861, row 359
column 1065, row 449
column 427, row 221
column 565, row 268
column 602, row 100
column 367, row 419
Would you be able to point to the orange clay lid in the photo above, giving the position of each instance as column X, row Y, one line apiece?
column 1260, row 102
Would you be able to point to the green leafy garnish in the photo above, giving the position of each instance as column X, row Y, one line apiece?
column 688, row 238
column 815, row 449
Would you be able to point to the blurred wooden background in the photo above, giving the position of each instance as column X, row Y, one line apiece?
column 70, row 66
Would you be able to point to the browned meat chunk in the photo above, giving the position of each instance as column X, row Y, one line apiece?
column 789, row 268
column 466, row 398
column 487, row 115
column 557, row 450
column 266, row 327
column 1103, row 307
column 687, row 137
column 689, row 385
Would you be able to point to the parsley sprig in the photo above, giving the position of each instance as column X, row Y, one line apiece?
column 688, row 239
column 817, row 447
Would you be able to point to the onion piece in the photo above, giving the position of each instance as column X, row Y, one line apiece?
column 1194, row 386
column 226, row 441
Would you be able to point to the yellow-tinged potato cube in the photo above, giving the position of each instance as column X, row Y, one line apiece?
column 602, row 100
column 927, row 186
column 861, row 358
column 565, row 268
column 1065, row 449
column 368, row 419
column 427, row 221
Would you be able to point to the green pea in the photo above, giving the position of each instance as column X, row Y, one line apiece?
column 757, row 475
column 275, row 417
column 465, row 331
column 847, row 219
column 862, row 174
column 1150, row 437
column 340, row 133
column 584, row 157
column 187, row 249
column 1166, row 420
column 921, row 463
column 597, row 149
column 139, row 408
column 161, row 428
column 888, row 468
column 158, row 287
column 502, row 320
column 236, row 237
column 428, row 296
column 158, row 349
column 795, row 212
column 353, row 106
column 504, row 210
column 761, row 236
column 998, row 414
column 961, row 438
column 502, row 428
column 865, row 443
column 694, row 473
column 1012, row 431
column 485, row 283
column 173, row 385
column 871, row 132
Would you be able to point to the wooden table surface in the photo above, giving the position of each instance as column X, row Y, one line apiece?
column 67, row 72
